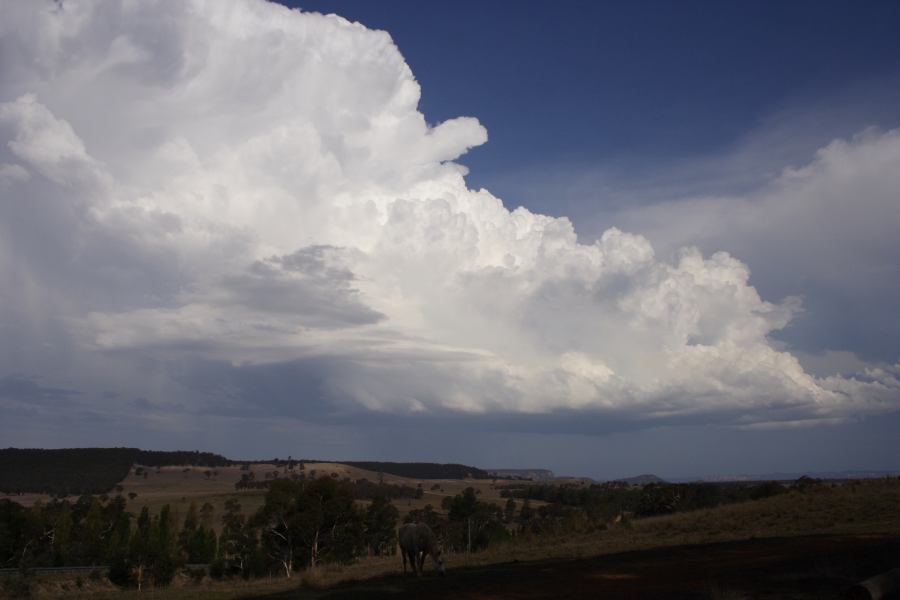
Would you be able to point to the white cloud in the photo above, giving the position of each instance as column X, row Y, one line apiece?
column 252, row 186
column 825, row 231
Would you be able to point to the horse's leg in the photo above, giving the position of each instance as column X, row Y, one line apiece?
column 403, row 554
column 412, row 560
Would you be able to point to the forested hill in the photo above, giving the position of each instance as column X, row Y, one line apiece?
column 74, row 471
column 85, row 470
column 417, row 470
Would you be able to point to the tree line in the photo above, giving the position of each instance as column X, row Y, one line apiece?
column 302, row 523
column 606, row 500
column 76, row 471
column 422, row 470
column 97, row 532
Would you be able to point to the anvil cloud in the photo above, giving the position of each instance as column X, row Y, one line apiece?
column 235, row 208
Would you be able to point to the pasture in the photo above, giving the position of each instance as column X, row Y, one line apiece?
column 179, row 485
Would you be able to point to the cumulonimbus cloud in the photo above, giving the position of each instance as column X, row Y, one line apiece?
column 248, row 185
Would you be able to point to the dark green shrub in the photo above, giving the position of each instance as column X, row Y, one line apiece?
column 217, row 568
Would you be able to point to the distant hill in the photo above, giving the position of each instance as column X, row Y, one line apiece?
column 642, row 479
column 778, row 476
column 75, row 471
column 420, row 470
column 85, row 470
column 524, row 474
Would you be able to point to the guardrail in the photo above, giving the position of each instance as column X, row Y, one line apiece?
column 102, row 569
column 37, row 570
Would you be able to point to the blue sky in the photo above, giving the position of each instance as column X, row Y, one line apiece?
column 246, row 229
column 634, row 82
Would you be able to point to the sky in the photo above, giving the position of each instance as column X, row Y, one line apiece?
column 599, row 238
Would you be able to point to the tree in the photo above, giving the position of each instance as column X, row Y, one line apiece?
column 527, row 513
column 141, row 545
column 117, row 529
column 428, row 516
column 806, row 483
column 238, row 540
column 658, row 499
column 56, row 525
column 92, row 532
column 380, row 526
column 117, row 549
column 277, row 519
column 509, row 512
column 310, row 521
column 473, row 524
column 196, row 543
column 16, row 533
column 164, row 561
column 329, row 515
column 188, row 531
column 206, row 515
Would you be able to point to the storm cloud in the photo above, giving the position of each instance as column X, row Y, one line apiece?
column 237, row 209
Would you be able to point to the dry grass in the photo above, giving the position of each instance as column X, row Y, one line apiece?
column 58, row 587
column 27, row 499
column 178, row 486
column 717, row 591
column 857, row 508
column 62, row 586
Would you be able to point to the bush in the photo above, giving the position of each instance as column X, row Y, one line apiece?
column 217, row 568
column 766, row 490
column 119, row 572
column 163, row 570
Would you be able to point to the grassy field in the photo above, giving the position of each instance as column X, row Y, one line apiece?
column 178, row 486
column 852, row 516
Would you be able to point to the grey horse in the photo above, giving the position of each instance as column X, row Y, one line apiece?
column 416, row 541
